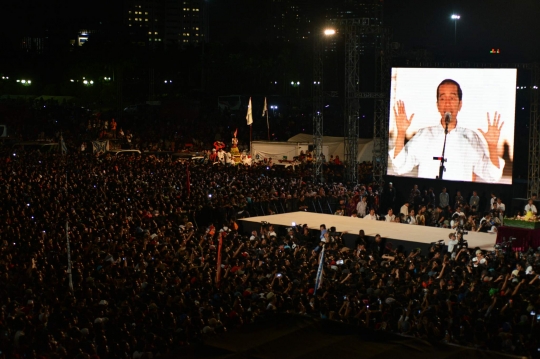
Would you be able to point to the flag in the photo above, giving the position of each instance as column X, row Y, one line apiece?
column 100, row 146
column 265, row 108
column 63, row 147
column 318, row 278
column 235, row 133
column 218, row 269
column 249, row 116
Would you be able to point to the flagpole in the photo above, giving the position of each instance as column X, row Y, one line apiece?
column 249, row 118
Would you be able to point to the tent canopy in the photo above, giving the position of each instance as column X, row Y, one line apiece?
column 332, row 146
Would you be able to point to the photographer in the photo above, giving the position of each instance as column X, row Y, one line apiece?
column 452, row 243
column 470, row 225
column 485, row 223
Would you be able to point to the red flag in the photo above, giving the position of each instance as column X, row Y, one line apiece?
column 235, row 133
column 218, row 269
column 188, row 185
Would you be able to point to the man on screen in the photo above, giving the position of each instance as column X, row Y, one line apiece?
column 467, row 156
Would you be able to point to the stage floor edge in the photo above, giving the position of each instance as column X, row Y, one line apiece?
column 409, row 236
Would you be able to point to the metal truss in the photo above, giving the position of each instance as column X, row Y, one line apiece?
column 533, row 177
column 352, row 101
column 381, row 118
column 318, row 99
column 353, row 29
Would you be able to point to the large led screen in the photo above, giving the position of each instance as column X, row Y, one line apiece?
column 477, row 104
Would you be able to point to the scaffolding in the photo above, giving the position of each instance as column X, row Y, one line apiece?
column 318, row 99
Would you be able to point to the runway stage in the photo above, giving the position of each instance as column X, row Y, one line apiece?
column 409, row 236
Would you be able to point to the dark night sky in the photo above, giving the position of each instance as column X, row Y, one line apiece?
column 512, row 26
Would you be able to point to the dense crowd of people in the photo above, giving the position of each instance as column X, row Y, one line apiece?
column 142, row 236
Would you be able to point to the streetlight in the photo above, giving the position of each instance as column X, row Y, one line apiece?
column 329, row 32
column 273, row 108
column 455, row 17
column 25, row 82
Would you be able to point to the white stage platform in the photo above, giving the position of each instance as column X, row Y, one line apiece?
column 396, row 231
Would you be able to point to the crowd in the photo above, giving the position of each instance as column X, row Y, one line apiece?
column 144, row 235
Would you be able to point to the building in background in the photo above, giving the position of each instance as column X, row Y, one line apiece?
column 165, row 23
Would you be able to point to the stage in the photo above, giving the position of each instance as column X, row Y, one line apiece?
column 408, row 236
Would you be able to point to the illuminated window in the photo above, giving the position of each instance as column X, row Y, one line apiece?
column 146, row 12
column 129, row 12
column 195, row 9
column 155, row 33
column 129, row 19
column 150, row 39
column 196, row 28
column 145, row 19
column 149, row 32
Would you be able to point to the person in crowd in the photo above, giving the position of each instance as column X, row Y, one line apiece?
column 411, row 218
column 362, row 207
column 390, row 195
column 405, row 209
column 474, row 200
column 492, row 200
column 485, row 223
column 415, row 196
column 421, row 216
column 146, row 279
column 459, row 200
column 530, row 207
column 390, row 217
column 501, row 209
column 372, row 215
column 444, row 198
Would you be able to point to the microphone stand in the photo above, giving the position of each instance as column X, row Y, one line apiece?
column 442, row 169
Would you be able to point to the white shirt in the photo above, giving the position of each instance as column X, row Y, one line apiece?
column 228, row 158
column 404, row 210
column 361, row 208
column 389, row 218
column 466, row 154
column 530, row 207
column 411, row 220
column 370, row 217
column 451, row 245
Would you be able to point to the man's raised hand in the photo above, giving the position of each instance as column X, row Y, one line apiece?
column 493, row 130
column 402, row 122
column 492, row 136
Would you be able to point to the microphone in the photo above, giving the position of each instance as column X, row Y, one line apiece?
column 447, row 117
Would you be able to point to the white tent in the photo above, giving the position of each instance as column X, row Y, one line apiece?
column 332, row 146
